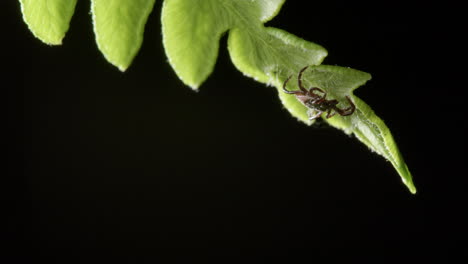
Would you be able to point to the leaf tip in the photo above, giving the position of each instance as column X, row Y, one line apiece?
column 194, row 87
column 407, row 178
column 410, row 184
column 48, row 40
column 190, row 81
column 411, row 187
column 122, row 68
column 57, row 42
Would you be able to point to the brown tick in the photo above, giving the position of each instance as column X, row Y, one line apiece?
column 315, row 103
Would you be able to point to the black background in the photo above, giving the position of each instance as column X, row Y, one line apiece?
column 136, row 166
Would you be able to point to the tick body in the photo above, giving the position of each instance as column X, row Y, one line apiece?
column 317, row 103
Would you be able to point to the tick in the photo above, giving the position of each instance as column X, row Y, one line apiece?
column 316, row 103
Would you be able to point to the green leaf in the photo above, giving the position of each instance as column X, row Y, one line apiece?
column 270, row 55
column 372, row 131
column 48, row 20
column 191, row 32
column 339, row 82
column 119, row 26
column 192, row 29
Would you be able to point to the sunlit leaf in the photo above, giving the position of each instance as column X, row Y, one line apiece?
column 270, row 56
column 192, row 30
column 48, row 20
column 372, row 131
column 119, row 26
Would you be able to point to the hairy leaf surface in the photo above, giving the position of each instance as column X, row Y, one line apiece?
column 192, row 30
column 372, row 131
column 119, row 26
column 48, row 20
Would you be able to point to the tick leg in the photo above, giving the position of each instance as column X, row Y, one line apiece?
column 311, row 92
column 347, row 111
column 312, row 117
column 352, row 107
column 299, row 79
column 284, row 87
column 330, row 114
